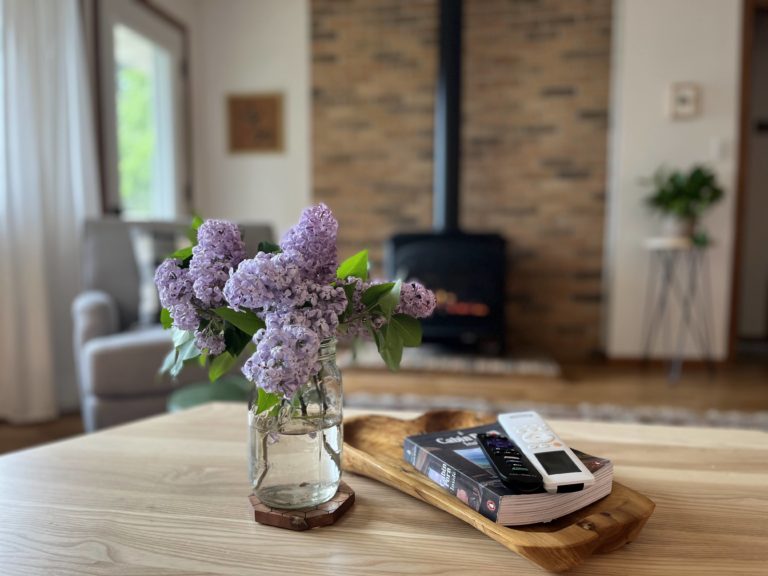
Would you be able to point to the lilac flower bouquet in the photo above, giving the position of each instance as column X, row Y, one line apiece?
column 280, row 305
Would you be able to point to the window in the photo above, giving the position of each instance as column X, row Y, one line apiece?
column 142, row 101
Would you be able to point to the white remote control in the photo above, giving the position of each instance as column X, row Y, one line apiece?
column 560, row 469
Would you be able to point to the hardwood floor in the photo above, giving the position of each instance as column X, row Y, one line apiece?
column 742, row 386
column 18, row 437
column 732, row 387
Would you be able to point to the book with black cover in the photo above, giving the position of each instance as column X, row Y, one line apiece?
column 452, row 459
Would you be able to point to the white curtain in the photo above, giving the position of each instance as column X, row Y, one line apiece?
column 48, row 184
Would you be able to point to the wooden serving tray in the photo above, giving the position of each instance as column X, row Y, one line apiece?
column 374, row 448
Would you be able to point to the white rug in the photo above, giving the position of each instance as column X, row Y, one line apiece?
column 667, row 415
column 434, row 359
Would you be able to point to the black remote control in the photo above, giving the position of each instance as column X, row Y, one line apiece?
column 509, row 463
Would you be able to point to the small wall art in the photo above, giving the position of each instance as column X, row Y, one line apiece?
column 685, row 101
column 255, row 123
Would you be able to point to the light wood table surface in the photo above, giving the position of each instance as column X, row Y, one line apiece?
column 167, row 495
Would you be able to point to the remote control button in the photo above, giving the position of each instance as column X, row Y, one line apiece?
column 537, row 437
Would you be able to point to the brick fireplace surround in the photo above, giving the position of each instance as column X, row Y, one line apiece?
column 535, row 101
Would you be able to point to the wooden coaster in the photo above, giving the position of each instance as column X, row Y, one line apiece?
column 305, row 518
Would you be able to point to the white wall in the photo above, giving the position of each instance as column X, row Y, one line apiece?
column 657, row 42
column 244, row 46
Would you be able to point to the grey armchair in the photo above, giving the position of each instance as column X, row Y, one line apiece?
column 117, row 362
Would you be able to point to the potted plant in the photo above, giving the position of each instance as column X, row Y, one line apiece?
column 283, row 309
column 683, row 197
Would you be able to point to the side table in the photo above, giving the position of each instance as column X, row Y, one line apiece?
column 679, row 272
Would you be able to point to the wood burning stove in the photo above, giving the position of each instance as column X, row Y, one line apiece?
column 466, row 271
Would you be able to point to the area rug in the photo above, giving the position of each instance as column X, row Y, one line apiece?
column 666, row 415
column 434, row 359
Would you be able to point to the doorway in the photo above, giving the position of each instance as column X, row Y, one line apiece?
column 750, row 310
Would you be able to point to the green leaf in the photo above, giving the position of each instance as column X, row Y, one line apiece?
column 390, row 300
column 684, row 194
column 373, row 294
column 408, row 328
column 349, row 291
column 269, row 247
column 246, row 321
column 189, row 351
column 168, row 362
column 186, row 351
column 221, row 365
column 390, row 347
column 377, row 335
column 181, row 337
column 165, row 318
column 193, row 228
column 356, row 266
column 266, row 400
column 401, row 331
column 182, row 253
column 235, row 339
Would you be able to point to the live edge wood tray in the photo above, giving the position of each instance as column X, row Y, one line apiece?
column 374, row 448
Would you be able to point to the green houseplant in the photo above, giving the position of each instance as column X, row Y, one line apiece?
column 684, row 196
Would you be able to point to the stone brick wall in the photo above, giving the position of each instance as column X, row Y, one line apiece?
column 536, row 77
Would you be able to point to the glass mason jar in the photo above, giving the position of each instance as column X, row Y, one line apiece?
column 295, row 450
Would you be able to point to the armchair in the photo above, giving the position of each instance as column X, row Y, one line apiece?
column 116, row 359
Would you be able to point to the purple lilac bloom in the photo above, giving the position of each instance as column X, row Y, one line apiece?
column 298, row 312
column 221, row 240
column 175, row 288
column 209, row 280
column 211, row 341
column 173, row 283
column 284, row 359
column 185, row 316
column 268, row 281
column 322, row 321
column 328, row 303
column 219, row 248
column 416, row 300
column 184, row 291
column 313, row 243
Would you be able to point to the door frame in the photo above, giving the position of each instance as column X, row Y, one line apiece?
column 187, row 177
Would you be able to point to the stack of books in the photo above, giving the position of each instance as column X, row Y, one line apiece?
column 453, row 460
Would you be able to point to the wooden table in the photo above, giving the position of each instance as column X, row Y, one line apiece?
column 167, row 495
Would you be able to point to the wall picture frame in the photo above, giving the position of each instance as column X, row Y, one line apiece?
column 255, row 122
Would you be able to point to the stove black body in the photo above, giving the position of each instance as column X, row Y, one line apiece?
column 466, row 271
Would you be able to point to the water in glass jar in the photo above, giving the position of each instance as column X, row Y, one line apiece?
column 298, row 466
